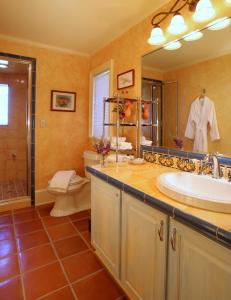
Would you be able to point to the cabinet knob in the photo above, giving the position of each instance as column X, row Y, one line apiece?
column 173, row 239
column 161, row 231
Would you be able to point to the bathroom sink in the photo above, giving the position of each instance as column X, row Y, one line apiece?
column 197, row 190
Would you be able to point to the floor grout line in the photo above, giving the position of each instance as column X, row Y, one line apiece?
column 19, row 263
column 88, row 276
column 50, row 293
column 60, row 262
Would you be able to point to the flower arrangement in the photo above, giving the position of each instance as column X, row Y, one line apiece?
column 102, row 147
column 178, row 142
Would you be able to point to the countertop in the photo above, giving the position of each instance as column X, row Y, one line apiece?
column 140, row 181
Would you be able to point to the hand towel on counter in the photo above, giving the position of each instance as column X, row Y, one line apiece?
column 61, row 180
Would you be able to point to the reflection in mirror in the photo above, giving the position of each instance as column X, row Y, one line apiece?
column 189, row 93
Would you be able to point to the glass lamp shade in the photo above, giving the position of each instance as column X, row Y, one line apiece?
column 228, row 2
column 157, row 36
column 193, row 36
column 204, row 11
column 172, row 45
column 177, row 25
column 219, row 24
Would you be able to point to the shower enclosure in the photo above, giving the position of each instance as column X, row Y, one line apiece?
column 163, row 111
column 16, row 128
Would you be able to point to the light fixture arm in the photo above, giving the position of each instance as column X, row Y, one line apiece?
column 173, row 10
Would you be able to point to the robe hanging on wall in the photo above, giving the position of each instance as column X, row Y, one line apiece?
column 202, row 113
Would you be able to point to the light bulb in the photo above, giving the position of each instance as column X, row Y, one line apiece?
column 177, row 25
column 172, row 45
column 157, row 36
column 219, row 24
column 193, row 36
column 3, row 66
column 4, row 62
column 228, row 2
column 204, row 11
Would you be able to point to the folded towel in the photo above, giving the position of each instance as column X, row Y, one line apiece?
column 75, row 186
column 76, row 180
column 61, row 180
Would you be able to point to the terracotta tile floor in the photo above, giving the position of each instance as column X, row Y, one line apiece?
column 42, row 257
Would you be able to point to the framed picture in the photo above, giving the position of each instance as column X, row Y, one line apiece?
column 63, row 101
column 126, row 79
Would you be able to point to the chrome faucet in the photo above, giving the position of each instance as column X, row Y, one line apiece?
column 214, row 161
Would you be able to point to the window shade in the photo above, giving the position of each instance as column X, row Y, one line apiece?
column 100, row 90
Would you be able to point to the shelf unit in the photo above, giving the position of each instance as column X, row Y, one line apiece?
column 154, row 107
column 117, row 100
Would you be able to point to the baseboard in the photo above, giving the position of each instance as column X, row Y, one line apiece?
column 15, row 203
column 43, row 197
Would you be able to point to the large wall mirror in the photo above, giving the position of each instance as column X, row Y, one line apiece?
column 189, row 95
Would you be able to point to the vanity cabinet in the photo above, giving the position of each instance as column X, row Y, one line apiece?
column 106, row 223
column 198, row 268
column 152, row 256
column 144, row 245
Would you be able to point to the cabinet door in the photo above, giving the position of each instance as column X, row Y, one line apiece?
column 198, row 268
column 105, row 220
column 144, row 235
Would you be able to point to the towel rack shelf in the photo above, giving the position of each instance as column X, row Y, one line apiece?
column 117, row 102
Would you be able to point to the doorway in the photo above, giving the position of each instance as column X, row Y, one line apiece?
column 17, row 128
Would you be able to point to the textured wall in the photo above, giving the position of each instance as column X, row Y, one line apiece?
column 13, row 137
column 214, row 75
column 61, row 143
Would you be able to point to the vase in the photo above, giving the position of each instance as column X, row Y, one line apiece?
column 102, row 161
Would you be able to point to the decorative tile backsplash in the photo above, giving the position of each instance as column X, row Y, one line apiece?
column 184, row 163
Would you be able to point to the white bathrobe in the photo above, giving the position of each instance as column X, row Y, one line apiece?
column 202, row 113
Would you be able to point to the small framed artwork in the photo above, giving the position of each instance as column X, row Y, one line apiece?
column 63, row 101
column 126, row 79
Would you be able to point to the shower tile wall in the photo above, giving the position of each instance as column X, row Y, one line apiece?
column 13, row 138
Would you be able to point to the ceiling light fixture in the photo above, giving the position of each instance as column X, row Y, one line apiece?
column 204, row 11
column 177, row 24
column 193, row 36
column 157, row 36
column 3, row 64
column 219, row 24
column 172, row 45
column 228, row 2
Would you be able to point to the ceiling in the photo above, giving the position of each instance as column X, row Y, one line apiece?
column 78, row 25
column 213, row 44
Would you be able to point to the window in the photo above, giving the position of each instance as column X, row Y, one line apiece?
column 101, row 85
column 4, row 99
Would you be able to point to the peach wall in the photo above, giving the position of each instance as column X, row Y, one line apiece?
column 214, row 76
column 61, row 143
column 13, row 137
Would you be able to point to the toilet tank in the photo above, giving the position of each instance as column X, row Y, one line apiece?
column 90, row 158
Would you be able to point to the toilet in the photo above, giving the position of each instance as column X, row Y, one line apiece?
column 78, row 195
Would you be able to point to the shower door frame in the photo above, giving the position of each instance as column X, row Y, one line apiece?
column 30, row 120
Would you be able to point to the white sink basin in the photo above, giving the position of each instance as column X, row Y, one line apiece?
column 197, row 190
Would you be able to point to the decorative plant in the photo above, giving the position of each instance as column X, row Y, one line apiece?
column 103, row 147
column 124, row 109
column 178, row 142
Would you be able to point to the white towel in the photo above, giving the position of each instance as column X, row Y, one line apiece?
column 61, row 180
